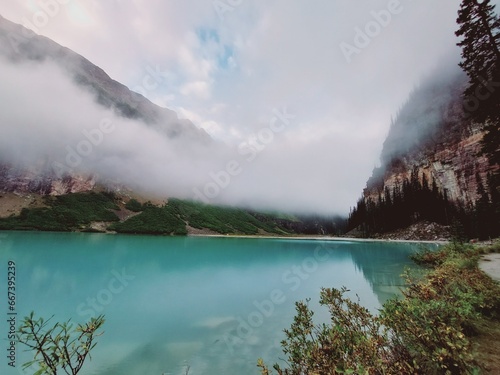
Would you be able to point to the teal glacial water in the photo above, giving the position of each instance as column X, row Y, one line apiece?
column 214, row 304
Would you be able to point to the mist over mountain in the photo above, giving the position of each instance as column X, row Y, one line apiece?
column 433, row 136
column 64, row 118
column 432, row 104
column 20, row 46
column 433, row 170
column 68, row 127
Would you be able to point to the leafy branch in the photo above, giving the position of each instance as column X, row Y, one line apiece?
column 59, row 346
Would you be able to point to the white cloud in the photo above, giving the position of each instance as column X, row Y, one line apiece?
column 228, row 75
column 199, row 89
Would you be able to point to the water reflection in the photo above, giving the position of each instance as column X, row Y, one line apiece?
column 215, row 303
column 382, row 265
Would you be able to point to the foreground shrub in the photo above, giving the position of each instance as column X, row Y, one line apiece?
column 355, row 342
column 59, row 347
column 429, row 335
column 427, row 331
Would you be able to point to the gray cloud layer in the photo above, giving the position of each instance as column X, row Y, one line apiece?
column 227, row 74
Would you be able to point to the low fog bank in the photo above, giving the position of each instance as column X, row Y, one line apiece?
column 435, row 101
column 49, row 122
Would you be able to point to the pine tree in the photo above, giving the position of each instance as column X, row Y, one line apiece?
column 483, row 211
column 479, row 28
column 495, row 202
column 480, row 32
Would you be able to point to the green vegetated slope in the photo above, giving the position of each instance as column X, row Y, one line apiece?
column 65, row 213
column 76, row 212
column 174, row 216
column 152, row 220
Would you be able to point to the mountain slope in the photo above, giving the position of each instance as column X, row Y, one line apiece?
column 18, row 44
column 432, row 168
column 24, row 53
column 105, row 211
column 432, row 136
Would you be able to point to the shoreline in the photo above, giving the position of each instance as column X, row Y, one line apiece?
column 257, row 236
column 490, row 265
column 316, row 238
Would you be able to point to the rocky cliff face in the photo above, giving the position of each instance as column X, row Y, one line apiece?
column 433, row 136
column 22, row 181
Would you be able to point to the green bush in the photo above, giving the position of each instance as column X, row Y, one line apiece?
column 224, row 220
column 153, row 220
column 76, row 211
column 64, row 213
column 427, row 331
column 134, row 205
column 173, row 217
column 58, row 347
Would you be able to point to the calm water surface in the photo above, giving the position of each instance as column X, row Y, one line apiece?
column 215, row 304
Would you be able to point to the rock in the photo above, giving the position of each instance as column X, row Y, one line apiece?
column 422, row 231
column 433, row 136
column 26, row 181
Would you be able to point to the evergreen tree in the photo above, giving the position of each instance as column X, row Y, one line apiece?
column 479, row 28
column 495, row 203
column 483, row 211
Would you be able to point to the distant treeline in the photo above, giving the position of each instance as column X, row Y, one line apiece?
column 417, row 199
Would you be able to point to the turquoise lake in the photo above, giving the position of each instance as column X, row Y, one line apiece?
column 214, row 304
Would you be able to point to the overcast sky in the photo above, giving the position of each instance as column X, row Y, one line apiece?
column 229, row 65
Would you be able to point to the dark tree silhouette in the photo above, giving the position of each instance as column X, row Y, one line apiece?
column 415, row 200
column 479, row 29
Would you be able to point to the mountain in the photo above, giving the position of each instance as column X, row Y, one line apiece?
column 431, row 167
column 34, row 196
column 19, row 46
column 433, row 135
